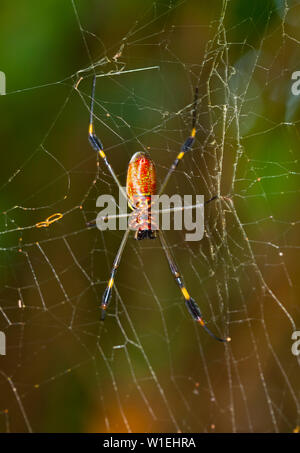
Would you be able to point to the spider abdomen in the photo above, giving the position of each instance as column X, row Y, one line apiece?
column 140, row 186
column 141, row 177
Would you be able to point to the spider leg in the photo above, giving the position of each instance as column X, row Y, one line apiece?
column 211, row 199
column 185, row 147
column 108, row 291
column 97, row 144
column 190, row 303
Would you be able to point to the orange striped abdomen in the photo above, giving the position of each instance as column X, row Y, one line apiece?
column 141, row 178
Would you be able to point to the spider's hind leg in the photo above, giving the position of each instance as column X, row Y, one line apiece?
column 190, row 303
column 108, row 291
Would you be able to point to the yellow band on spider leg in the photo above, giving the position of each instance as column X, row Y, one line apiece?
column 185, row 293
column 102, row 154
column 110, row 283
column 180, row 155
column 193, row 133
column 200, row 320
column 91, row 128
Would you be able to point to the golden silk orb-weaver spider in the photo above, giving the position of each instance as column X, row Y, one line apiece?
column 141, row 184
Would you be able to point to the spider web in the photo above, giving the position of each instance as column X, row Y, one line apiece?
column 149, row 367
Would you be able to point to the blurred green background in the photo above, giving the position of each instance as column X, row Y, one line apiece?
column 149, row 368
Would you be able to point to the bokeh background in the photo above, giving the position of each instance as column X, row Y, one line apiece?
column 149, row 368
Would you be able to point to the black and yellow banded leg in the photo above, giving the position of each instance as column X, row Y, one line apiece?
column 97, row 144
column 185, row 147
column 108, row 291
column 190, row 303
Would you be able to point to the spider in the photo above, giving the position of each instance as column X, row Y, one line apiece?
column 140, row 185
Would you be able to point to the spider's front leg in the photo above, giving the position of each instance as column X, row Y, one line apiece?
column 187, row 146
column 97, row 144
